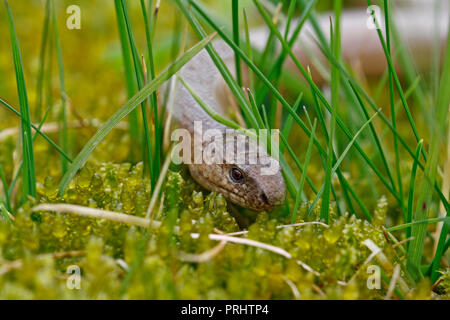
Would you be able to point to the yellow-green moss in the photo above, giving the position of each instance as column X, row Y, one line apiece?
column 33, row 266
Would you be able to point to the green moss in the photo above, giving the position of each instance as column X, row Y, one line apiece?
column 33, row 265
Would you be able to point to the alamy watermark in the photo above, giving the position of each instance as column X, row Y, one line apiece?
column 74, row 19
column 74, row 279
column 374, row 20
column 374, row 280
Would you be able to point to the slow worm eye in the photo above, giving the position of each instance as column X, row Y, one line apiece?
column 236, row 175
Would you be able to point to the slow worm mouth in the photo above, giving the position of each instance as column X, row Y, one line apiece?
column 242, row 201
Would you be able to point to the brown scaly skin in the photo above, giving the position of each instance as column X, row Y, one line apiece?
column 257, row 191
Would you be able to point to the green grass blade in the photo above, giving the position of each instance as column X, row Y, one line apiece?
column 28, row 172
column 249, row 52
column 305, row 168
column 4, row 212
column 50, row 141
column 290, row 14
column 410, row 73
column 5, row 188
column 62, row 123
column 16, row 176
column 374, row 134
column 392, row 103
column 129, row 76
column 123, row 111
column 395, row 77
column 341, row 158
column 153, row 98
column 420, row 222
column 383, row 117
column 139, row 74
column 414, row 254
column 275, row 72
column 255, row 110
column 235, row 19
column 42, row 56
column 297, row 163
column 335, row 47
column 289, row 120
column 412, row 183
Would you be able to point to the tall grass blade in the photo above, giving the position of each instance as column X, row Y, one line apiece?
column 139, row 74
column 384, row 118
column 297, row 163
column 341, row 158
column 417, row 223
column 235, row 19
column 5, row 188
column 392, row 103
column 395, row 76
column 414, row 254
column 42, row 56
column 16, row 176
column 129, row 76
column 153, row 98
column 305, row 168
column 335, row 47
column 412, row 183
column 62, row 123
column 28, row 170
column 42, row 134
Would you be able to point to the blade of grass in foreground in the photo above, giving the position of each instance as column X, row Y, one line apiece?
column 297, row 163
column 383, row 117
column 5, row 188
column 412, row 183
column 341, row 158
column 249, row 51
column 443, row 103
column 414, row 255
column 290, row 14
column 5, row 213
column 62, row 123
column 235, row 14
column 28, row 170
column 289, row 120
column 42, row 55
column 129, row 106
column 157, row 141
column 16, row 176
column 392, row 103
column 50, row 141
column 335, row 47
column 305, row 168
column 139, row 74
column 420, row 222
column 395, row 76
column 129, row 78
